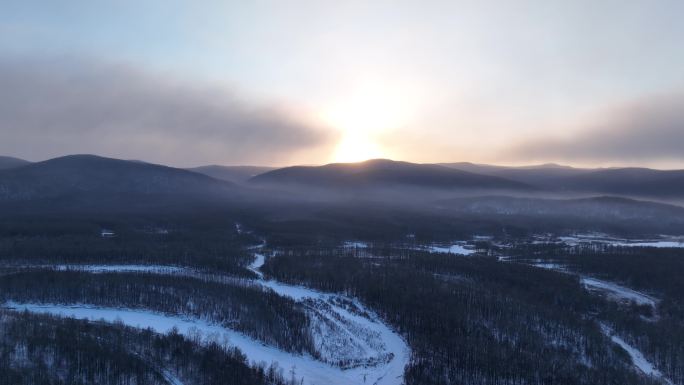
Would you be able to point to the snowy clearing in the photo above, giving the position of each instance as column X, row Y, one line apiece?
column 638, row 359
column 617, row 292
column 456, row 248
column 356, row 347
column 307, row 368
column 664, row 241
column 347, row 332
column 453, row 249
column 259, row 260
column 549, row 266
column 161, row 269
column 611, row 290
column 657, row 244
column 355, row 245
column 171, row 378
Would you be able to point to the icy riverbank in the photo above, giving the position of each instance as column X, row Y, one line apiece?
column 356, row 347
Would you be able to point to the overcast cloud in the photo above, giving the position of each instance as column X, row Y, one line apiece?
column 55, row 107
column 645, row 131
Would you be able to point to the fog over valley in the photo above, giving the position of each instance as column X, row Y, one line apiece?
column 298, row 192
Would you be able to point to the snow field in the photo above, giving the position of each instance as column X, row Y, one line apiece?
column 638, row 360
column 354, row 345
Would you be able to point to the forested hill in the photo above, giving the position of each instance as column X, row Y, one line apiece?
column 7, row 162
column 383, row 173
column 91, row 178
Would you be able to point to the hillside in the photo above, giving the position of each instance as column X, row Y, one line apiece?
column 90, row 177
column 234, row 174
column 382, row 173
column 8, row 162
column 640, row 182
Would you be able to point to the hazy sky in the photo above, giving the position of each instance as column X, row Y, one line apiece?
column 282, row 82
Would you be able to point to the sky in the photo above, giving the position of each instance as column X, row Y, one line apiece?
column 186, row 83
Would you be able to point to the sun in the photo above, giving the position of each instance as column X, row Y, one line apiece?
column 356, row 148
column 361, row 120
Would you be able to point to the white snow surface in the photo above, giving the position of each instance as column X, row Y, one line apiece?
column 259, row 260
column 163, row 269
column 657, row 244
column 549, row 266
column 344, row 330
column 355, row 245
column 638, row 359
column 171, row 378
column 617, row 292
column 356, row 347
column 313, row 372
column 664, row 241
column 612, row 291
column 451, row 249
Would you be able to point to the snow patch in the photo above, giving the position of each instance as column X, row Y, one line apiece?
column 354, row 345
column 259, row 260
column 617, row 292
column 355, row 245
column 162, row 269
column 312, row 372
column 664, row 242
column 456, row 248
column 170, row 378
column 638, row 359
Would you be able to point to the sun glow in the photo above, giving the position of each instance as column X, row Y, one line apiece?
column 356, row 148
column 364, row 115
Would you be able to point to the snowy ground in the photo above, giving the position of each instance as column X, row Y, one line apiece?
column 664, row 241
column 658, row 244
column 451, row 249
column 611, row 290
column 549, row 265
column 638, row 359
column 259, row 260
column 355, row 245
column 311, row 370
column 618, row 293
column 346, row 331
column 356, row 347
column 171, row 379
column 456, row 248
column 161, row 269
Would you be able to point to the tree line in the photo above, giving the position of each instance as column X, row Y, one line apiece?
column 45, row 350
column 472, row 320
column 251, row 309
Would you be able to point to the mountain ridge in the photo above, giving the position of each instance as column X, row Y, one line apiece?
column 92, row 175
column 9, row 162
column 234, row 174
column 383, row 173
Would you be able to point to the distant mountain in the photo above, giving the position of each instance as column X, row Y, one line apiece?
column 544, row 175
column 382, row 173
column 605, row 207
column 629, row 181
column 7, row 162
column 235, row 174
column 89, row 177
column 494, row 169
column 641, row 182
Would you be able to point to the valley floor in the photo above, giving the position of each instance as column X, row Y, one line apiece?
column 355, row 346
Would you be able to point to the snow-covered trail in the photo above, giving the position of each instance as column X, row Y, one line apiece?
column 618, row 292
column 349, row 331
column 170, row 378
column 638, row 359
column 311, row 370
column 612, row 291
column 344, row 330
